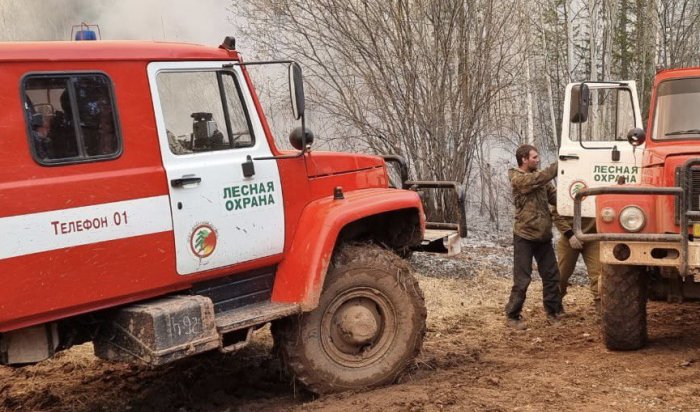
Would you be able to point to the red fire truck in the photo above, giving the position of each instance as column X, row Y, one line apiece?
column 146, row 208
column 644, row 194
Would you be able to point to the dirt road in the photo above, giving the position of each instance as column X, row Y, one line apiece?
column 470, row 361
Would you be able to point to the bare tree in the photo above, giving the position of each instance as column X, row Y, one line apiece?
column 454, row 85
column 415, row 78
column 679, row 23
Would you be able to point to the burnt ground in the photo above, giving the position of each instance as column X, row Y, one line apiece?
column 470, row 361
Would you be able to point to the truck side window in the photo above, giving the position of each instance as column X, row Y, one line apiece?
column 610, row 117
column 203, row 111
column 71, row 117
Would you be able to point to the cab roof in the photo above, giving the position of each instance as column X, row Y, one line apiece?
column 110, row 50
column 678, row 73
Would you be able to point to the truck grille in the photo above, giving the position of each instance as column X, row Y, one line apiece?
column 694, row 192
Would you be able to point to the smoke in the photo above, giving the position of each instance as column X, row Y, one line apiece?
column 203, row 21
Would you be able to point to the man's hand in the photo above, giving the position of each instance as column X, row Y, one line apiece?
column 575, row 243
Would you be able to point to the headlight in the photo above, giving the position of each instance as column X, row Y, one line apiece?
column 632, row 219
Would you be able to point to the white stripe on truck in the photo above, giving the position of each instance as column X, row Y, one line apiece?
column 57, row 229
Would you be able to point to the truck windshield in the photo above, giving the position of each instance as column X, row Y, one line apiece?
column 676, row 117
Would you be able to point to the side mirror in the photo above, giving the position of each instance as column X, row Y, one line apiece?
column 636, row 136
column 580, row 98
column 295, row 138
column 296, row 90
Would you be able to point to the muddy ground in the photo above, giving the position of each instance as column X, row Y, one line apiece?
column 470, row 361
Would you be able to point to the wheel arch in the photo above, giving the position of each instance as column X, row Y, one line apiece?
column 390, row 217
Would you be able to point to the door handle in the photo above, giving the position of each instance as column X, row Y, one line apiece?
column 185, row 181
column 568, row 157
column 248, row 167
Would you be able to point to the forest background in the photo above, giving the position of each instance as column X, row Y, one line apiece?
column 454, row 86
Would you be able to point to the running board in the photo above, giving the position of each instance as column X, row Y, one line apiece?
column 253, row 315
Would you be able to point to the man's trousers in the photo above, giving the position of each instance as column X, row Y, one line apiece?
column 523, row 252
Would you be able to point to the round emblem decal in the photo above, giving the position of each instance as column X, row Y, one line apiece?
column 576, row 187
column 203, row 240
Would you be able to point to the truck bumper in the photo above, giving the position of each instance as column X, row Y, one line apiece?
column 648, row 253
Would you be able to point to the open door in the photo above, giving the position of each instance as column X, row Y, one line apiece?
column 594, row 149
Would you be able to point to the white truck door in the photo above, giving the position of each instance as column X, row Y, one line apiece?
column 594, row 150
column 226, row 207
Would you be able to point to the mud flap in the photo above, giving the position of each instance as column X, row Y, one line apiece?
column 159, row 331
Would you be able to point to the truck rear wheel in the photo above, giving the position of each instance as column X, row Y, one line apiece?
column 368, row 327
column 624, row 307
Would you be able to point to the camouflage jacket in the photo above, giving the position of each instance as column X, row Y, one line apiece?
column 565, row 224
column 532, row 195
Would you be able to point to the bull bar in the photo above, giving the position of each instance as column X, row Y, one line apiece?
column 414, row 185
column 684, row 214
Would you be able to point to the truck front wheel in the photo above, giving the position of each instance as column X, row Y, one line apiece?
column 624, row 307
column 368, row 327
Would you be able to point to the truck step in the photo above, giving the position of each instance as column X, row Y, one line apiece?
column 444, row 241
column 254, row 314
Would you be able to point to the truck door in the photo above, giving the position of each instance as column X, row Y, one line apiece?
column 226, row 207
column 594, row 150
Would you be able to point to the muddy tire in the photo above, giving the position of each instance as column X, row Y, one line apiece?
column 624, row 307
column 367, row 329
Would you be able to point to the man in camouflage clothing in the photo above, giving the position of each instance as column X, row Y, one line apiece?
column 569, row 247
column 533, row 192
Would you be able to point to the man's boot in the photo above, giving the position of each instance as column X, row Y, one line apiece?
column 554, row 319
column 516, row 323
